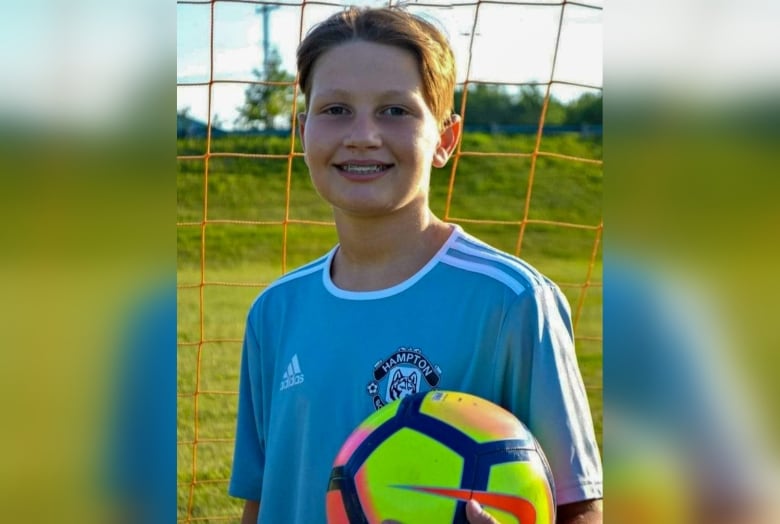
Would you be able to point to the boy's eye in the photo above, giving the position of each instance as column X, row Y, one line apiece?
column 395, row 111
column 335, row 110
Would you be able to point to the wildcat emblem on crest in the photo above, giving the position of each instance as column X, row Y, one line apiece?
column 403, row 373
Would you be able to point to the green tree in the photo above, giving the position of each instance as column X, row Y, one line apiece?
column 587, row 109
column 495, row 105
column 529, row 106
column 486, row 104
column 265, row 102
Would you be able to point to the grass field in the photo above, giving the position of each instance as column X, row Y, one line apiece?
column 247, row 204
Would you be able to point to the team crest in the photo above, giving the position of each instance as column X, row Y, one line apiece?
column 403, row 373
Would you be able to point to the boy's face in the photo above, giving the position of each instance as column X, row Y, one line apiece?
column 369, row 136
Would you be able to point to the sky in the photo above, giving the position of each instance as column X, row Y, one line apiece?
column 513, row 43
column 93, row 62
column 81, row 62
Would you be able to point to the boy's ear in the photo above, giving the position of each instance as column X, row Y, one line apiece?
column 301, row 128
column 448, row 141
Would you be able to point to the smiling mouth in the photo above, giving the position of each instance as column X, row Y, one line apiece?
column 363, row 169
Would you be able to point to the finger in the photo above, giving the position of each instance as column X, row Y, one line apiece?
column 476, row 515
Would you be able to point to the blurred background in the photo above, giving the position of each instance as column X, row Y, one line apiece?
column 692, row 119
column 87, row 261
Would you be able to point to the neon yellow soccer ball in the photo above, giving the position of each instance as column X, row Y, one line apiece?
column 418, row 460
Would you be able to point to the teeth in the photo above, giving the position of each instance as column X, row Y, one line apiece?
column 362, row 169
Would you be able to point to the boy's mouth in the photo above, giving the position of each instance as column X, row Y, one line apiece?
column 363, row 169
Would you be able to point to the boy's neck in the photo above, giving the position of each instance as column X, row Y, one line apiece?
column 380, row 253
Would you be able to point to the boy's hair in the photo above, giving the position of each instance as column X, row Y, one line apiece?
column 389, row 26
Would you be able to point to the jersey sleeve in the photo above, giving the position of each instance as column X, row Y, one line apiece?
column 246, row 479
column 543, row 386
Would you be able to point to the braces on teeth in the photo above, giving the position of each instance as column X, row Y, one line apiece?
column 362, row 169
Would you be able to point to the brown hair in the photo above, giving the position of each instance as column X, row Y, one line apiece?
column 390, row 26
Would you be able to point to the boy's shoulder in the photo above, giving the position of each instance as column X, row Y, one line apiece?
column 295, row 277
column 471, row 254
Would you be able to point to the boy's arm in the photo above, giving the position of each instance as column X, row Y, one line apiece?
column 251, row 510
column 585, row 512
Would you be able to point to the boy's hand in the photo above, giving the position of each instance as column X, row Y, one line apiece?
column 477, row 515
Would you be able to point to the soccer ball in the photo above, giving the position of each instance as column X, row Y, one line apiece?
column 421, row 458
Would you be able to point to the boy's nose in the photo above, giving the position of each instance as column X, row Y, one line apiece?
column 363, row 132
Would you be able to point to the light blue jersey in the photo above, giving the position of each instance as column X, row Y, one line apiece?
column 317, row 360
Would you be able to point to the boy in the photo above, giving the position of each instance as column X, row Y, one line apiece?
column 405, row 302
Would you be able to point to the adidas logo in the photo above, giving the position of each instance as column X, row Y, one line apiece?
column 293, row 376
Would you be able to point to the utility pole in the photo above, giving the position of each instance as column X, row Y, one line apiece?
column 265, row 11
